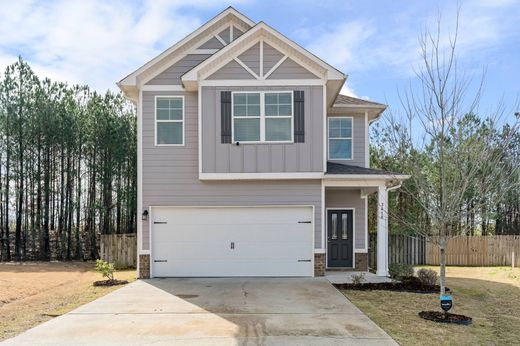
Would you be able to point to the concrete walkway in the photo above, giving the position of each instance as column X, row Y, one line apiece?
column 241, row 311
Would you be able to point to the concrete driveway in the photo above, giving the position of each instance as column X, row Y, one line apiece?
column 241, row 311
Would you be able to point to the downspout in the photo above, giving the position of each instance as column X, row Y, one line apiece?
column 395, row 187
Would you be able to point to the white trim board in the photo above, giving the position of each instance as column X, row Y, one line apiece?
column 353, row 180
column 264, row 82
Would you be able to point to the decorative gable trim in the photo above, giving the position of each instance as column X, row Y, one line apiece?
column 227, row 18
column 260, row 33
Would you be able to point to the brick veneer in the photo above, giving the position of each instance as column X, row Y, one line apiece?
column 144, row 267
column 361, row 262
column 319, row 264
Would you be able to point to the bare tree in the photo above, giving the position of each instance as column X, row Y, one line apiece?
column 439, row 131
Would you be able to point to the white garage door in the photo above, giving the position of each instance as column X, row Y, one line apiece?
column 232, row 241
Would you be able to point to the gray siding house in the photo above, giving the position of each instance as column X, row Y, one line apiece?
column 250, row 162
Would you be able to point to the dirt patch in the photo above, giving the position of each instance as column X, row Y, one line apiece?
column 442, row 317
column 392, row 286
column 34, row 292
column 110, row 282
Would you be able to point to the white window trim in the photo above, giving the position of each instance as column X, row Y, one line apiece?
column 351, row 138
column 262, row 116
column 170, row 121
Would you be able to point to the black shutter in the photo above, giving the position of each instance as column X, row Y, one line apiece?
column 299, row 116
column 225, row 116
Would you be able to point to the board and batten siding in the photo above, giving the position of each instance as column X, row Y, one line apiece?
column 220, row 157
column 359, row 133
column 170, row 175
column 172, row 75
column 344, row 199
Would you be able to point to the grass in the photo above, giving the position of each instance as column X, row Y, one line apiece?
column 32, row 293
column 490, row 295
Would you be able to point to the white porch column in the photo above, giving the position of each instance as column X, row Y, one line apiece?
column 382, row 231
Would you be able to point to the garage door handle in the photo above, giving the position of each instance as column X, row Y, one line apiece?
column 160, row 261
column 232, row 245
column 160, row 222
column 304, row 260
column 304, row 221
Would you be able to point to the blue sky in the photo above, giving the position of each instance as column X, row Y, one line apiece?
column 97, row 42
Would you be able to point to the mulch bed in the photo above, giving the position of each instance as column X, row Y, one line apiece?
column 408, row 285
column 110, row 282
column 438, row 316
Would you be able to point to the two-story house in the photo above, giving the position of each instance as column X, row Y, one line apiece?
column 250, row 162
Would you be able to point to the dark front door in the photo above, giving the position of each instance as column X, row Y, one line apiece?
column 340, row 226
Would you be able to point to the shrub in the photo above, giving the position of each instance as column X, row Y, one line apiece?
column 427, row 276
column 398, row 271
column 358, row 279
column 106, row 269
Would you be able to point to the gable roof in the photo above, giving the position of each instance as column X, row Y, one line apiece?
column 261, row 30
column 128, row 84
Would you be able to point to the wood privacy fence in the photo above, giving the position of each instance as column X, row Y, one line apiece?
column 499, row 250
column 120, row 249
column 401, row 249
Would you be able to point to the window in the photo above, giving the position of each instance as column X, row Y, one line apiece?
column 169, row 120
column 340, row 138
column 278, row 116
column 260, row 117
column 246, row 117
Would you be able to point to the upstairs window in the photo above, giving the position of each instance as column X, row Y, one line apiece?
column 340, row 138
column 169, row 120
column 278, row 116
column 262, row 117
column 246, row 117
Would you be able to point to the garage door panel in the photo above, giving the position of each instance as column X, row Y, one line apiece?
column 240, row 215
column 197, row 241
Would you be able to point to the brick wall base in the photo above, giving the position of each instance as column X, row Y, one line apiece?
column 319, row 264
column 144, row 267
column 361, row 262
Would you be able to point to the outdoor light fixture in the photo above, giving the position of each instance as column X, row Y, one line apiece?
column 145, row 215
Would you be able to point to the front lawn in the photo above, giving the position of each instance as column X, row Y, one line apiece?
column 490, row 295
column 32, row 293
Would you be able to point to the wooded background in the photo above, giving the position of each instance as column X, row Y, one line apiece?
column 67, row 167
column 499, row 213
column 68, row 163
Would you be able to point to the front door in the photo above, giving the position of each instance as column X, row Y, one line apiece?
column 340, row 226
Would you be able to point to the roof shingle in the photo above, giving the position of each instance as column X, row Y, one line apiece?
column 340, row 168
column 349, row 100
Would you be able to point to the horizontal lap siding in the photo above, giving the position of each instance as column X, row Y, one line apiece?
column 251, row 58
column 350, row 199
column 359, row 133
column 232, row 70
column 289, row 69
column 172, row 75
column 271, row 57
column 259, row 158
column 170, row 175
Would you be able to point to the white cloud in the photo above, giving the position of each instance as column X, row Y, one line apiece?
column 93, row 42
column 392, row 45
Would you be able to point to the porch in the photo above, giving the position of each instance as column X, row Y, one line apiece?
column 345, row 192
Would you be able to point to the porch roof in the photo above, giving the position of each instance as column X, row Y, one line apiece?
column 341, row 168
